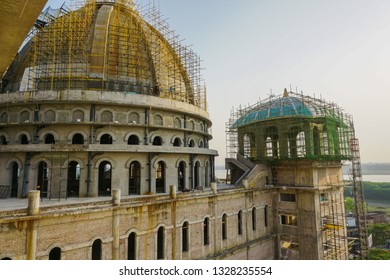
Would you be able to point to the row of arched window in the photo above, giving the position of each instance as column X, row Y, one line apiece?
column 296, row 146
column 106, row 116
column 96, row 249
column 105, row 139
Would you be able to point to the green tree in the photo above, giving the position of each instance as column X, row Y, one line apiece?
column 349, row 204
column 378, row 254
column 380, row 233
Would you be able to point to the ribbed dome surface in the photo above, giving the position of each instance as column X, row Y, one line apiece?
column 102, row 46
column 288, row 105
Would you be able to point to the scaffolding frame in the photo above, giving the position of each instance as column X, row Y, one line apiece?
column 330, row 141
column 333, row 234
column 141, row 53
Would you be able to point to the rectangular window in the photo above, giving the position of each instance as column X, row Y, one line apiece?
column 289, row 197
column 288, row 220
column 323, row 197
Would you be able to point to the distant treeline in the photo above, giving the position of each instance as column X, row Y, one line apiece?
column 372, row 191
column 371, row 169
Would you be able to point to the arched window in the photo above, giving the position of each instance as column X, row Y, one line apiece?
column 15, row 171
column 55, row 254
column 254, row 218
column 49, row 139
column 78, row 139
column 131, row 246
column 97, row 250
column 301, row 145
column 191, row 125
column 157, row 141
column 106, row 117
column 133, row 140
column 50, row 116
column 192, row 143
column 24, row 116
column 3, row 140
column 158, row 120
column 106, row 139
column 185, row 237
column 105, row 175
column 160, row 177
column 239, row 222
column 160, row 243
column 316, row 141
column 268, row 147
column 224, row 227
column 78, row 116
column 73, row 180
column 181, row 174
column 197, row 174
column 4, row 118
column 135, row 178
column 23, row 139
column 206, row 231
column 266, row 215
column 134, row 118
column 177, row 142
column 43, row 178
column 207, row 178
column 177, row 123
column 201, row 145
column 247, row 146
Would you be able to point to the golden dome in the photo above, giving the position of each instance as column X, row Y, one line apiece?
column 107, row 46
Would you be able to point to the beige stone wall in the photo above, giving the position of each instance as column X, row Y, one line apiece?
column 74, row 230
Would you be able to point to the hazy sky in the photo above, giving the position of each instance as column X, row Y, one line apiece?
column 337, row 49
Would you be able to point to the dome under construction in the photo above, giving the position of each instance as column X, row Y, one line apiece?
column 107, row 46
column 101, row 96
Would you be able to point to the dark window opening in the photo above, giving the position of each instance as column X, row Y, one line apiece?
column 181, row 176
column 15, row 171
column 157, row 141
column 78, row 139
column 254, row 218
column 73, row 181
column 23, row 140
column 266, row 216
column 160, row 177
column 177, row 142
column 192, row 143
column 196, row 174
column 97, row 250
column 131, row 246
column 105, row 175
column 133, row 140
column 43, row 178
column 224, row 227
column 185, row 237
column 55, row 254
column 135, row 178
column 106, row 139
column 288, row 197
column 160, row 243
column 49, row 139
column 3, row 140
column 239, row 222
column 206, row 230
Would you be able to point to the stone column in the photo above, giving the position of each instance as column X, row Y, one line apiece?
column 116, row 201
column 32, row 225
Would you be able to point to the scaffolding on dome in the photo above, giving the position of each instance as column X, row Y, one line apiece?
column 330, row 138
column 145, row 54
